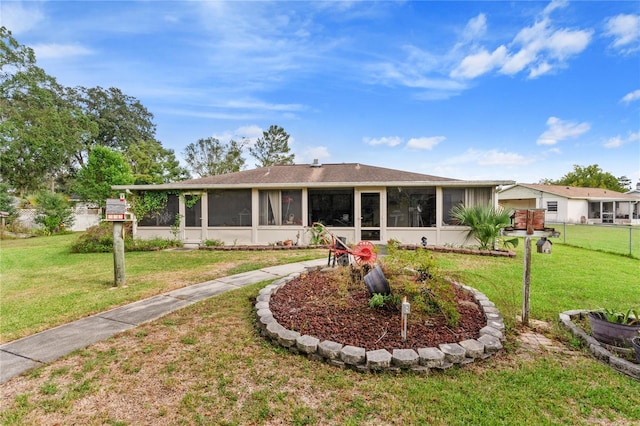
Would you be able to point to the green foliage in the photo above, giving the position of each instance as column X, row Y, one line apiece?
column 209, row 157
column 319, row 235
column 379, row 300
column 39, row 128
column 485, row 222
column 6, row 204
column 414, row 274
column 145, row 203
column 96, row 239
column 153, row 164
column 214, row 243
column 272, row 148
column 591, row 177
column 53, row 212
column 630, row 317
column 104, row 169
column 99, row 239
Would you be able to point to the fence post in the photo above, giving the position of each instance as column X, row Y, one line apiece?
column 630, row 240
column 564, row 232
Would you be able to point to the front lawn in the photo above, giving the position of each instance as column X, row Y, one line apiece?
column 206, row 364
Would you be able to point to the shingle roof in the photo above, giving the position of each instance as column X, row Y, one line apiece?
column 579, row 192
column 325, row 173
column 315, row 175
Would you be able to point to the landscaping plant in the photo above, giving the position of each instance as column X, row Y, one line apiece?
column 485, row 223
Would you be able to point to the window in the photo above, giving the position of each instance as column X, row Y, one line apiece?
column 280, row 207
column 411, row 207
column 192, row 211
column 594, row 210
column 332, row 207
column 229, row 207
column 451, row 197
column 166, row 217
column 552, row 206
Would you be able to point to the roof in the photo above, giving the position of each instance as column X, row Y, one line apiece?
column 576, row 192
column 315, row 175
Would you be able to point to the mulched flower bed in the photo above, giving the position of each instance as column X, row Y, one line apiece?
column 313, row 304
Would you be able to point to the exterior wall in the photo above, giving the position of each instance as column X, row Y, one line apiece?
column 440, row 234
column 577, row 211
column 526, row 203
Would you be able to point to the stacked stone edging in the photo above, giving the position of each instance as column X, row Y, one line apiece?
column 595, row 347
column 460, row 250
column 443, row 357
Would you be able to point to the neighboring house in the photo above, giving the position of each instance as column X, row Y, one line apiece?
column 86, row 215
column 355, row 201
column 572, row 204
column 636, row 191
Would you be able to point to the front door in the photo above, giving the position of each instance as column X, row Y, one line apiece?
column 370, row 216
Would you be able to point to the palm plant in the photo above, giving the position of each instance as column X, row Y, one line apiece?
column 485, row 222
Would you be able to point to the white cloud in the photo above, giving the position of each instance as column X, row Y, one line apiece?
column 390, row 141
column 618, row 141
column 631, row 96
column 538, row 49
column 319, row 153
column 424, row 142
column 476, row 27
column 559, row 130
column 259, row 105
column 18, row 18
column 480, row 63
column 491, row 157
column 625, row 30
column 57, row 51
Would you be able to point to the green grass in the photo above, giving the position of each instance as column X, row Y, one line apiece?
column 44, row 284
column 206, row 364
column 608, row 238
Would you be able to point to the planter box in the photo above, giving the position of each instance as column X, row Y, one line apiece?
column 612, row 333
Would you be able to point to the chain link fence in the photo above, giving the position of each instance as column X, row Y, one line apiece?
column 619, row 239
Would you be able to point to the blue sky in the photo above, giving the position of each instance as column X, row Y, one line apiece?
column 469, row 90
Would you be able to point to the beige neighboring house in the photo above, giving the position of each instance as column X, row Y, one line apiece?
column 355, row 201
column 570, row 204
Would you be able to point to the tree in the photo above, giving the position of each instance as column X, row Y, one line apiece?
column 104, row 168
column 6, row 203
column 121, row 120
column 53, row 212
column 209, row 157
column 272, row 148
column 624, row 182
column 590, row 177
column 38, row 126
column 151, row 163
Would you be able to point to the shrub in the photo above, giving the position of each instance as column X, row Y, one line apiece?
column 414, row 274
column 214, row 243
column 53, row 211
column 99, row 239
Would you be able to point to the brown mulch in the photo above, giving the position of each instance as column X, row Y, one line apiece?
column 312, row 305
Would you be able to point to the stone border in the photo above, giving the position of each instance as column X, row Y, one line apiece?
column 596, row 348
column 443, row 357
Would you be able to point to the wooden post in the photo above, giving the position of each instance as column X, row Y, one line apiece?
column 526, row 280
column 118, row 254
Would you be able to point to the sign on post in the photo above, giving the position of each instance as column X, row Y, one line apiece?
column 528, row 223
column 116, row 212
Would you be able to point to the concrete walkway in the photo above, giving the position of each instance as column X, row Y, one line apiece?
column 33, row 351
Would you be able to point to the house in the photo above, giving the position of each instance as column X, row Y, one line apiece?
column 277, row 203
column 569, row 204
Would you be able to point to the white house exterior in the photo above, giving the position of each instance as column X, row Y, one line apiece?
column 355, row 201
column 568, row 204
